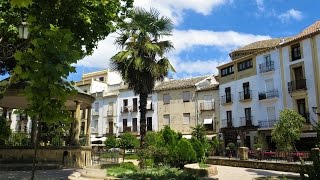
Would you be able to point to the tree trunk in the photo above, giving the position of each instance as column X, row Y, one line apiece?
column 143, row 110
column 37, row 137
column 33, row 130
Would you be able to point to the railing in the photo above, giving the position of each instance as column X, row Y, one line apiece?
column 125, row 129
column 206, row 106
column 124, row 109
column 268, row 94
column 280, row 155
column 135, row 108
column 267, row 123
column 246, row 121
column 110, row 112
column 297, row 85
column 266, row 67
column 244, row 95
column 307, row 117
column 226, row 99
column 227, row 123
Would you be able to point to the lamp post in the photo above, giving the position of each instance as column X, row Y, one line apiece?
column 7, row 50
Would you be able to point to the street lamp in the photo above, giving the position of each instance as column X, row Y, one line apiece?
column 7, row 50
column 23, row 31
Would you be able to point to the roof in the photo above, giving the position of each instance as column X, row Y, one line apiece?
column 209, row 83
column 312, row 29
column 260, row 45
column 178, row 84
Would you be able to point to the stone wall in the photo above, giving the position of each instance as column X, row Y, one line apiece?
column 66, row 156
column 277, row 166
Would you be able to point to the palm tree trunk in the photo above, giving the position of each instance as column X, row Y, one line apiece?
column 143, row 124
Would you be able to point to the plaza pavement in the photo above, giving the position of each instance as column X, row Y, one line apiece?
column 224, row 173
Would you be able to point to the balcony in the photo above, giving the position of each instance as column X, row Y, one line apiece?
column 135, row 108
column 246, row 121
column 110, row 112
column 297, row 85
column 226, row 99
column 125, row 109
column 267, row 124
column 206, row 106
column 95, row 113
column 269, row 94
column 266, row 67
column 245, row 95
column 226, row 123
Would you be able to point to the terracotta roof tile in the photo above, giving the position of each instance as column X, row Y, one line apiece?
column 313, row 28
column 178, row 84
column 260, row 45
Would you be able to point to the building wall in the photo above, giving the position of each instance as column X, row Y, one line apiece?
column 307, row 62
column 130, row 95
column 176, row 108
column 205, row 114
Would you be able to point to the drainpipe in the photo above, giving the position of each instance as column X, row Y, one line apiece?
column 196, row 105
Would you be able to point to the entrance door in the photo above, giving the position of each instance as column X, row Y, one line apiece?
column 247, row 142
column 149, row 123
column 125, row 125
column 111, row 127
column 247, row 112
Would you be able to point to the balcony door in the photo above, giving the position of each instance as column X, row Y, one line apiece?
column 110, row 127
column 228, row 94
column 207, row 105
column 298, row 73
column 301, row 104
column 246, row 90
column 229, row 118
column 125, row 125
column 149, row 123
column 247, row 112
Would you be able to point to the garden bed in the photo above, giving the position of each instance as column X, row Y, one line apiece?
column 207, row 171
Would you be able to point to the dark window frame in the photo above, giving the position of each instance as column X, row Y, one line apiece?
column 247, row 64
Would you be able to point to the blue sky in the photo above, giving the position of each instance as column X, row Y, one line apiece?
column 205, row 31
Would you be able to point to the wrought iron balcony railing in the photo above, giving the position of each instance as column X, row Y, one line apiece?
column 266, row 67
column 245, row 95
column 246, row 121
column 226, row 99
column 268, row 94
column 296, row 85
column 206, row 106
column 267, row 123
column 227, row 123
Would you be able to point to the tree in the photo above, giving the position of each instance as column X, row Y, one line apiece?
column 127, row 141
column 111, row 142
column 61, row 33
column 142, row 59
column 5, row 130
column 288, row 129
column 184, row 153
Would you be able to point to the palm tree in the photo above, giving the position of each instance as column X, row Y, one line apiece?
column 141, row 62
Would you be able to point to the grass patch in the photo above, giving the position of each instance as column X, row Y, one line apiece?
column 129, row 171
column 131, row 156
column 203, row 166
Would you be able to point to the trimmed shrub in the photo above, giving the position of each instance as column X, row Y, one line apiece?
column 184, row 153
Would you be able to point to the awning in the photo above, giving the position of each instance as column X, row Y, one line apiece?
column 210, row 136
column 187, row 136
column 309, row 134
column 207, row 121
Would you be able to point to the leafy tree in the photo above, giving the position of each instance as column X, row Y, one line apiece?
column 128, row 141
column 184, row 153
column 288, row 129
column 61, row 33
column 111, row 142
column 5, row 130
column 199, row 133
column 199, row 149
column 142, row 59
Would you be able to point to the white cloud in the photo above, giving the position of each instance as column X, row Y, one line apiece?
column 260, row 5
column 225, row 40
column 290, row 14
column 174, row 9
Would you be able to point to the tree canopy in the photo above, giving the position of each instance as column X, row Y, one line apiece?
column 60, row 34
column 288, row 129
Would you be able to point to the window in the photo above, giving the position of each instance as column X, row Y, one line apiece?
column 166, row 99
column 166, row 119
column 135, row 104
column 247, row 112
column 295, row 52
column 226, row 71
column 149, row 123
column 267, row 59
column 125, row 125
column 271, row 111
column 228, row 94
column 186, row 118
column 229, row 116
column 246, row 90
column 134, row 125
column 186, row 96
column 125, row 102
column 10, row 113
column 101, row 78
column 96, row 107
column 245, row 65
column 149, row 103
column 301, row 104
